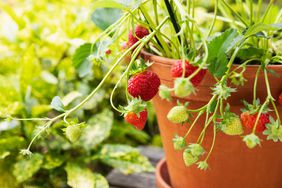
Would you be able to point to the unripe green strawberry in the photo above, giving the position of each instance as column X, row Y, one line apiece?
column 164, row 92
column 196, row 149
column 251, row 140
column 232, row 126
column 178, row 114
column 188, row 158
column 179, row 142
column 183, row 87
column 73, row 133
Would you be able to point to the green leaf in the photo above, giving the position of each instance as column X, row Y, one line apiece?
column 85, row 68
column 30, row 69
column 70, row 97
column 52, row 160
column 10, row 144
column 104, row 17
column 25, row 168
column 49, row 78
column 125, row 158
column 7, row 179
column 57, row 104
column 97, row 130
column 259, row 27
column 125, row 133
column 250, row 52
column 81, row 53
column 79, row 177
column 87, row 55
column 217, row 48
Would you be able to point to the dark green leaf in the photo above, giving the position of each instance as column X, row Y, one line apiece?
column 81, row 54
column 250, row 52
column 217, row 48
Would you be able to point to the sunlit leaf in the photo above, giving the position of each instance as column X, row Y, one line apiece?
column 70, row 97
column 125, row 158
column 83, row 177
column 97, row 130
column 27, row 167
column 57, row 104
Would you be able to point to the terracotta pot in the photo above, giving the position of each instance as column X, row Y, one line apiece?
column 162, row 176
column 232, row 164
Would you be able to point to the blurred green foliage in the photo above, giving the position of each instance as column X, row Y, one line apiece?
column 37, row 42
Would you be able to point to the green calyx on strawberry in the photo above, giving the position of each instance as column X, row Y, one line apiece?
column 139, row 66
column 192, row 153
column 251, row 140
column 223, row 91
column 183, row 87
column 164, row 92
column 135, row 113
column 203, row 165
column 273, row 130
column 231, row 124
column 177, row 71
column 178, row 114
column 238, row 78
column 179, row 142
column 144, row 85
column 249, row 117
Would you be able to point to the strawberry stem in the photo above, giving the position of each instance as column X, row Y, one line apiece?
column 213, row 143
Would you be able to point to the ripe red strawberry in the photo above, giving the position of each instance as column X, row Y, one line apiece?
column 280, row 99
column 140, row 32
column 108, row 52
column 144, row 85
column 135, row 120
column 177, row 70
column 248, row 120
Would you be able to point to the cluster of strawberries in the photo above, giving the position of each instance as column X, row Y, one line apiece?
column 145, row 85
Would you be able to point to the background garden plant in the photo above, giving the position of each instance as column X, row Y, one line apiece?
column 36, row 65
column 213, row 40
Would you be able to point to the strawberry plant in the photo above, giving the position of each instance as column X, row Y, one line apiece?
column 221, row 45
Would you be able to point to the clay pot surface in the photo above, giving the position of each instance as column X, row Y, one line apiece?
column 232, row 164
column 162, row 176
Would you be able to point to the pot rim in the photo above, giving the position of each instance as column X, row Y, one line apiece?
column 159, row 176
column 170, row 61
